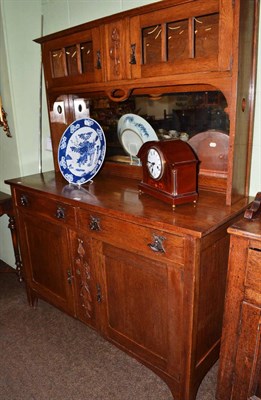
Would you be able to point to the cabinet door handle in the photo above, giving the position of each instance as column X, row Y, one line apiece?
column 133, row 54
column 99, row 293
column 157, row 244
column 69, row 276
column 24, row 200
column 60, row 213
column 94, row 224
column 98, row 63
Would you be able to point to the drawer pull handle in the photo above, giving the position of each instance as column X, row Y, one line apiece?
column 94, row 223
column 60, row 213
column 157, row 244
column 24, row 200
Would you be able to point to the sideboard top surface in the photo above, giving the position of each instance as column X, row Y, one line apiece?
column 120, row 198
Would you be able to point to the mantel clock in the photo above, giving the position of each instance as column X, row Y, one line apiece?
column 170, row 171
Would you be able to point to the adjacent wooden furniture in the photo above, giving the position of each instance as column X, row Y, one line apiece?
column 5, row 203
column 6, row 207
column 150, row 279
column 240, row 358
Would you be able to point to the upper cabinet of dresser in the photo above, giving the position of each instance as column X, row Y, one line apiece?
column 172, row 37
column 186, row 38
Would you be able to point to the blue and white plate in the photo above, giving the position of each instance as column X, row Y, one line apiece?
column 81, row 151
column 133, row 131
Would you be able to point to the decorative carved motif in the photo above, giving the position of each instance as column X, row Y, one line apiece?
column 3, row 120
column 115, row 50
column 83, row 272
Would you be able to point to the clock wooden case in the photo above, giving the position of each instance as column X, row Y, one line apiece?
column 170, row 171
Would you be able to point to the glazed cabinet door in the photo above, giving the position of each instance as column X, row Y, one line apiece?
column 73, row 59
column 193, row 36
column 144, row 307
column 46, row 261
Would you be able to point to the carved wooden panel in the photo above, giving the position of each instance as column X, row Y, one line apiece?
column 85, row 308
column 84, row 273
column 116, row 47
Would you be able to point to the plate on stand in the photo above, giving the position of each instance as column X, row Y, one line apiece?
column 81, row 151
column 133, row 131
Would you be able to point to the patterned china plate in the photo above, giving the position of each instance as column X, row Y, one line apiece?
column 133, row 131
column 81, row 151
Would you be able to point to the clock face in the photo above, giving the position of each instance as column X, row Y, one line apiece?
column 154, row 163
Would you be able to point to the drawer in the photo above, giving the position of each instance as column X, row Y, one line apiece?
column 39, row 204
column 253, row 271
column 132, row 237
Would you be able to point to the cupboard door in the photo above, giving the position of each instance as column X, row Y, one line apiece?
column 144, row 307
column 184, row 38
column 46, row 260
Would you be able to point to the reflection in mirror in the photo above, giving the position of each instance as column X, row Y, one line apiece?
column 171, row 116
